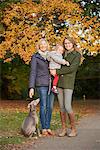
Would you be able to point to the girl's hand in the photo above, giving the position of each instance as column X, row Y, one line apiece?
column 67, row 63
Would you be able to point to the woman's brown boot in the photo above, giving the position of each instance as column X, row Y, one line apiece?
column 63, row 122
column 73, row 128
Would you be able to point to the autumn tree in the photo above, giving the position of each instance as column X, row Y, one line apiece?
column 90, row 7
column 24, row 22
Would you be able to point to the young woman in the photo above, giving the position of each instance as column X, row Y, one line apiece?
column 40, row 79
column 66, row 85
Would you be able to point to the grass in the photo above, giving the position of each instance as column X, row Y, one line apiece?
column 12, row 114
column 10, row 124
column 11, row 121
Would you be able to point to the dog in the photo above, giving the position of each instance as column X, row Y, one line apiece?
column 30, row 124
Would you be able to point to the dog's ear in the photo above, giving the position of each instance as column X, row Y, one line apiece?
column 36, row 101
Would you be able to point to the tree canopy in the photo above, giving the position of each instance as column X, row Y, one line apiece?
column 24, row 22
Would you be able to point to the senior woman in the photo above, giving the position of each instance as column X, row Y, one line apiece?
column 66, row 85
column 40, row 79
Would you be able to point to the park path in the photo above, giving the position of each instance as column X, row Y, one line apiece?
column 88, row 137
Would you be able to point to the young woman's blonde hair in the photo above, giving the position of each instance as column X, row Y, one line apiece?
column 39, row 43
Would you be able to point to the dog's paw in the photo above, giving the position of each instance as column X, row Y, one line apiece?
column 40, row 135
column 35, row 137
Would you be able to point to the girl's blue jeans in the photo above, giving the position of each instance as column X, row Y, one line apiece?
column 46, row 106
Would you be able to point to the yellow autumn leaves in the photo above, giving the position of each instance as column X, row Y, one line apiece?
column 26, row 20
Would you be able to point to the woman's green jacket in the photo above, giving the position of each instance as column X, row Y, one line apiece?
column 67, row 73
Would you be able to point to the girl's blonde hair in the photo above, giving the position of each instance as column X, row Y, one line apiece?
column 58, row 45
column 39, row 43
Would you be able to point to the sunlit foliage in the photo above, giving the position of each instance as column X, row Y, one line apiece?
column 25, row 21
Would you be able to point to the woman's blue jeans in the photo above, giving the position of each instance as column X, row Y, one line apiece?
column 46, row 106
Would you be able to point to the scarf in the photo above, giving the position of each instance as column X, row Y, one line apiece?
column 43, row 54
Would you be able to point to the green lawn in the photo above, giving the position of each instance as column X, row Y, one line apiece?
column 10, row 124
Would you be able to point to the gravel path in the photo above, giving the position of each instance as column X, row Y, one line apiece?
column 88, row 137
